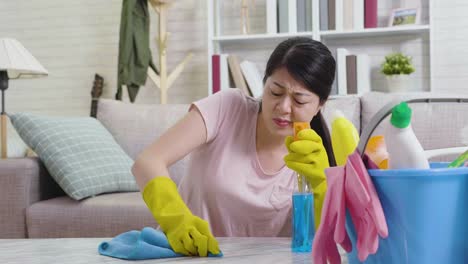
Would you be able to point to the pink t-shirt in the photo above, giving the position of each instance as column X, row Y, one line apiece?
column 225, row 183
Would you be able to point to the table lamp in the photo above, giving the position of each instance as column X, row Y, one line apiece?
column 15, row 62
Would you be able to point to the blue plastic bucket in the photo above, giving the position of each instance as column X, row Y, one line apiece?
column 426, row 213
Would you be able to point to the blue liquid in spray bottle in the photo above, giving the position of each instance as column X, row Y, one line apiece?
column 303, row 227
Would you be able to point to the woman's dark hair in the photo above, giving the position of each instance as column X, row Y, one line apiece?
column 312, row 64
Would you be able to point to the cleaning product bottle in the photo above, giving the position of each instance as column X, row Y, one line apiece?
column 377, row 151
column 344, row 136
column 404, row 149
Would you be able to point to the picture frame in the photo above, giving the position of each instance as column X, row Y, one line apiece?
column 404, row 17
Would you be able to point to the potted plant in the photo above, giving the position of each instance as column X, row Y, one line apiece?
column 397, row 68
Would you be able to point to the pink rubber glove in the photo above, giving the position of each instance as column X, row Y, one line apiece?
column 364, row 207
column 373, row 238
column 375, row 211
column 357, row 200
column 333, row 220
column 367, row 238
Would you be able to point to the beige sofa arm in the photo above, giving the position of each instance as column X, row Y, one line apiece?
column 23, row 182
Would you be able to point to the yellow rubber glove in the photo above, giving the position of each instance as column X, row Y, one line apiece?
column 344, row 137
column 307, row 156
column 187, row 234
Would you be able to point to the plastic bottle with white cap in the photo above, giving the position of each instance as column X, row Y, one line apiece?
column 404, row 149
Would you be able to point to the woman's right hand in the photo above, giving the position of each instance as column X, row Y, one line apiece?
column 307, row 156
column 187, row 234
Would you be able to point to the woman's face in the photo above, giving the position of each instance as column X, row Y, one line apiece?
column 286, row 101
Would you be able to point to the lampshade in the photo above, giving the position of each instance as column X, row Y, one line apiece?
column 17, row 61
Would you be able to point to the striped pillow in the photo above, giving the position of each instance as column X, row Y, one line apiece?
column 79, row 153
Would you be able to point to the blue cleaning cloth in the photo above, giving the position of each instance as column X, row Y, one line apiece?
column 148, row 243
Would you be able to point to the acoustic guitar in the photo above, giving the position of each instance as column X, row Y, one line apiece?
column 96, row 92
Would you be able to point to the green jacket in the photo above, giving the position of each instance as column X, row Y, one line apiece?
column 134, row 51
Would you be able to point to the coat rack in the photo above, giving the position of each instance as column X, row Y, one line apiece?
column 164, row 81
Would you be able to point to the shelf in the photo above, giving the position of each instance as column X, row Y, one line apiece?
column 373, row 32
column 332, row 34
column 414, row 40
column 236, row 38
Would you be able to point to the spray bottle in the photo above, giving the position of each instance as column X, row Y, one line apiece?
column 303, row 225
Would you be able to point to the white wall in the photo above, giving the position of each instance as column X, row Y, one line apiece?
column 76, row 39
column 450, row 44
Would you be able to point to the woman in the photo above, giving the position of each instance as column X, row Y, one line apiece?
column 241, row 176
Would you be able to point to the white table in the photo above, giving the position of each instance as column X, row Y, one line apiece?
column 84, row 250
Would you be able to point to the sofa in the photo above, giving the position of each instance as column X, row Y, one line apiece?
column 32, row 205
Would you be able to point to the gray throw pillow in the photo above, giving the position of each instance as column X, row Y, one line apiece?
column 79, row 153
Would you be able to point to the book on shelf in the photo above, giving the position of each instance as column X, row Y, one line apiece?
column 216, row 73
column 304, row 15
column 287, row 16
column 237, row 76
column 292, row 16
column 331, row 14
column 370, row 13
column 271, row 16
column 341, row 54
column 358, row 14
column 283, row 20
column 309, row 13
column 348, row 14
column 358, row 74
column 323, row 6
column 224, row 72
column 253, row 78
column 363, row 72
column 301, row 15
column 351, row 81
column 339, row 13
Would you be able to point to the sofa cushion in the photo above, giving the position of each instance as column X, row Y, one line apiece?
column 80, row 154
column 135, row 126
column 436, row 125
column 349, row 105
column 105, row 215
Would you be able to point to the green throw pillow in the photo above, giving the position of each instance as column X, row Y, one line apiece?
column 79, row 153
